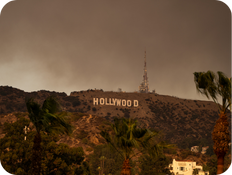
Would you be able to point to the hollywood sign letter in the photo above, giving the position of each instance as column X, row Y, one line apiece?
column 115, row 102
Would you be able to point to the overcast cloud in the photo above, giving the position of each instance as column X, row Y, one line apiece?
column 77, row 45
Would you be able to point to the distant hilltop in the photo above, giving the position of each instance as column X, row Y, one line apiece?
column 75, row 93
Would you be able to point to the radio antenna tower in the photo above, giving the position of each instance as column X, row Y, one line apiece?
column 144, row 87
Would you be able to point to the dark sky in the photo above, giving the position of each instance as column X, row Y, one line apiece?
column 77, row 45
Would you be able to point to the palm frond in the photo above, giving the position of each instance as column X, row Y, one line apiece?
column 108, row 139
column 51, row 105
column 224, row 89
column 229, row 96
column 57, row 123
column 206, row 84
column 47, row 118
column 139, row 133
column 211, row 86
column 35, row 112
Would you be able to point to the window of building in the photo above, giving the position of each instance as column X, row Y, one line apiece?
column 181, row 168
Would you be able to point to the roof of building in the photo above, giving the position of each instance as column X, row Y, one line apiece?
column 184, row 161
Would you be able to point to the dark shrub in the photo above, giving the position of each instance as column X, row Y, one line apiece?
column 3, row 93
column 186, row 112
column 76, row 103
column 2, row 111
column 11, row 97
column 80, row 110
column 67, row 104
column 82, row 135
column 184, row 154
column 9, row 106
column 74, row 100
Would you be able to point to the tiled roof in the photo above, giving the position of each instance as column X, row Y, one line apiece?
column 184, row 161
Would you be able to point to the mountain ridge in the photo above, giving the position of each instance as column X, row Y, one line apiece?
column 175, row 117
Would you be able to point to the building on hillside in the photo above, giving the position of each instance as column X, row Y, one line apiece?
column 186, row 167
column 144, row 87
column 204, row 149
column 195, row 149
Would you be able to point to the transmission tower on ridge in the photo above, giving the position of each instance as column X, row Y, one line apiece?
column 144, row 87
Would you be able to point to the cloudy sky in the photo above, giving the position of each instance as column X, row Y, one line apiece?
column 77, row 45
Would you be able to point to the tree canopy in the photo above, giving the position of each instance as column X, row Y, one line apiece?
column 15, row 152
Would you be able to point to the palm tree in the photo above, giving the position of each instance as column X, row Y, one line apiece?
column 213, row 86
column 126, row 138
column 45, row 119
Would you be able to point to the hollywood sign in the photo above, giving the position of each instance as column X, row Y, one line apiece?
column 115, row 102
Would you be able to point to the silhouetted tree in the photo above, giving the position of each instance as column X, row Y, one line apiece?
column 213, row 86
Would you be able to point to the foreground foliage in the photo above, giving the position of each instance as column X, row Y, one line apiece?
column 112, row 164
column 45, row 119
column 210, row 85
column 129, row 141
column 16, row 153
column 158, row 165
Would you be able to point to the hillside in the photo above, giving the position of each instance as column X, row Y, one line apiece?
column 176, row 118
column 86, row 134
